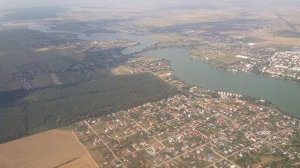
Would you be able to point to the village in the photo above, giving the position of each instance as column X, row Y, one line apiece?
column 86, row 56
column 283, row 64
column 233, row 52
column 196, row 128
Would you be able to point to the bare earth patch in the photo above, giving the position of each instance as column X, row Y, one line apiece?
column 42, row 49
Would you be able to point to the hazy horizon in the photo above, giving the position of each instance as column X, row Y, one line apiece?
column 7, row 4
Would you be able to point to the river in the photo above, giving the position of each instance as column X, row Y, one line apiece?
column 144, row 41
column 282, row 93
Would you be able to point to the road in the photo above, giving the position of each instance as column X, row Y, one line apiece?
column 105, row 144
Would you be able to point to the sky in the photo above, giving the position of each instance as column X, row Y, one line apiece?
column 5, row 4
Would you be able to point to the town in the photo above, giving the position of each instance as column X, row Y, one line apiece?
column 234, row 52
column 196, row 128
column 58, row 71
column 150, row 84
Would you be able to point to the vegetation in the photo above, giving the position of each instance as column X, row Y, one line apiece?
column 86, row 26
column 18, row 54
column 41, row 12
column 57, row 106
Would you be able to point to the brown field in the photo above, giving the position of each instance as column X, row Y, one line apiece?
column 266, row 159
column 281, row 41
column 50, row 149
column 170, row 37
column 175, row 17
column 122, row 70
column 270, row 39
column 42, row 49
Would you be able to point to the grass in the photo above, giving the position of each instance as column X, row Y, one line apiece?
column 41, row 81
column 266, row 159
column 213, row 56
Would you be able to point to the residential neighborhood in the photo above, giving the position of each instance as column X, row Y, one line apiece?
column 198, row 128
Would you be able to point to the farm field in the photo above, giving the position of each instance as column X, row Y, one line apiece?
column 55, row 148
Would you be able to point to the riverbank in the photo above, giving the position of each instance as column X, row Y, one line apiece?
column 283, row 94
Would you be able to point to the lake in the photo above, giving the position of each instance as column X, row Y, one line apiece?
column 282, row 93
